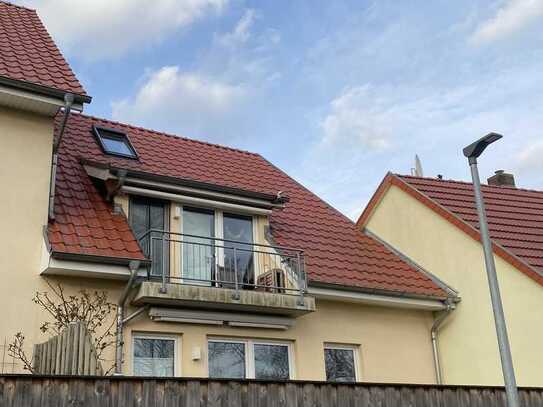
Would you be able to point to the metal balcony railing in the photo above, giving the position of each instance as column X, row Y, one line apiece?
column 209, row 261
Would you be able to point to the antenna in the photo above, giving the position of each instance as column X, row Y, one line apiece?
column 417, row 169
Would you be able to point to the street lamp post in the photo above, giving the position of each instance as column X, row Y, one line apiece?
column 472, row 152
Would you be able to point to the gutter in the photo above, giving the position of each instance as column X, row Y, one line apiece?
column 109, row 260
column 372, row 297
column 42, row 90
column 433, row 336
column 119, row 341
column 68, row 102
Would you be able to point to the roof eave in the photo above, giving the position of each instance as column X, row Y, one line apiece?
column 111, row 260
column 377, row 291
column 43, row 90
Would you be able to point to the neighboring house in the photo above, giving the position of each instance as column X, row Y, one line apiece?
column 435, row 223
column 232, row 268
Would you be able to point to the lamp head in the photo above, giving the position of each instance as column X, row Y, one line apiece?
column 474, row 150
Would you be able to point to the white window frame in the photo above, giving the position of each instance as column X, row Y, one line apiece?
column 340, row 346
column 218, row 218
column 250, row 354
column 176, row 348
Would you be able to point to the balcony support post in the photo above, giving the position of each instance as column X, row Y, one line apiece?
column 236, row 293
column 300, row 280
column 163, row 288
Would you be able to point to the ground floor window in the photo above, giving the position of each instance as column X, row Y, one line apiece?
column 341, row 363
column 240, row 359
column 154, row 355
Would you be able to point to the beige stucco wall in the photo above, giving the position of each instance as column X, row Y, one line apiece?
column 469, row 351
column 394, row 344
column 25, row 146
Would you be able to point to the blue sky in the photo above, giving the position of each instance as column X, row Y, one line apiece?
column 336, row 93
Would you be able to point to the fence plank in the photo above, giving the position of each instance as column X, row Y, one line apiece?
column 70, row 353
column 51, row 391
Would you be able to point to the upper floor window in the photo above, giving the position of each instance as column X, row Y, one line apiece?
column 114, row 142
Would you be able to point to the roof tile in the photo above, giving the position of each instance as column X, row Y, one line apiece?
column 28, row 53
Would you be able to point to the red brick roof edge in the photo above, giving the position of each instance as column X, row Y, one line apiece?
column 398, row 181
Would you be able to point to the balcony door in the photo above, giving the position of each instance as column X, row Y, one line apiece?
column 150, row 214
column 198, row 245
column 238, row 234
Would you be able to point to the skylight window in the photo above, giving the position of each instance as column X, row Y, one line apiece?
column 114, row 142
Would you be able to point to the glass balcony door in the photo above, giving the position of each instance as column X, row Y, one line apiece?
column 149, row 214
column 238, row 251
column 198, row 246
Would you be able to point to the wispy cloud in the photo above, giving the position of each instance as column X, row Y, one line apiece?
column 183, row 101
column 101, row 29
column 529, row 158
column 512, row 17
column 355, row 120
column 241, row 32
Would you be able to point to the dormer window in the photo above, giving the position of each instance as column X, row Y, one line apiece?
column 114, row 142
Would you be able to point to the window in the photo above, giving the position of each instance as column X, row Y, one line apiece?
column 227, row 359
column 205, row 259
column 251, row 359
column 149, row 214
column 154, row 356
column 340, row 363
column 114, row 142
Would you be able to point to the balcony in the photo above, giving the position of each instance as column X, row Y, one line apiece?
column 189, row 271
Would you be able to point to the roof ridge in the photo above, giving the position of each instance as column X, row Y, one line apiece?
column 454, row 181
column 171, row 135
column 8, row 3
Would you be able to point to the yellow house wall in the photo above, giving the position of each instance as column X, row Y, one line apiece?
column 393, row 344
column 25, row 146
column 467, row 341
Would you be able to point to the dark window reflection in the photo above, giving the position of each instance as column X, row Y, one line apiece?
column 226, row 360
column 340, row 365
column 271, row 362
column 149, row 214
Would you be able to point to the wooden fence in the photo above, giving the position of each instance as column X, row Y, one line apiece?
column 51, row 391
column 70, row 353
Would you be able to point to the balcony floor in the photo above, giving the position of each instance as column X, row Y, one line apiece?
column 193, row 296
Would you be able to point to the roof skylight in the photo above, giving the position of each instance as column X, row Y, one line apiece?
column 114, row 142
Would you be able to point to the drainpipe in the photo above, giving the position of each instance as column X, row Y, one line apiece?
column 68, row 102
column 133, row 266
column 433, row 334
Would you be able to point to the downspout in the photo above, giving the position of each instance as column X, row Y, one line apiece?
column 68, row 102
column 433, row 334
column 133, row 266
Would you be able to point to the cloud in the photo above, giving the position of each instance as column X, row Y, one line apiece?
column 100, row 29
column 181, row 101
column 241, row 32
column 512, row 17
column 355, row 120
column 529, row 158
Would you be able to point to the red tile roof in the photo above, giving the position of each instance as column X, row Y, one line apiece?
column 515, row 216
column 336, row 251
column 27, row 52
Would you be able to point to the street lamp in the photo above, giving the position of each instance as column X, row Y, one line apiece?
column 472, row 152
